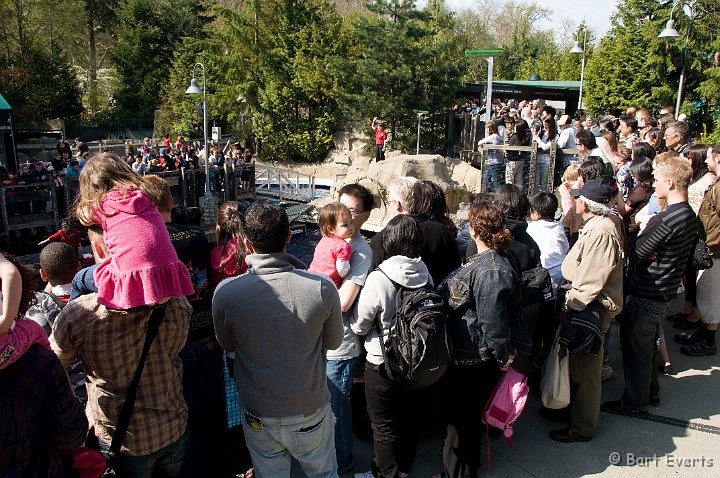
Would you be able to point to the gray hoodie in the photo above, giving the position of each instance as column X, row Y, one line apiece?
column 377, row 299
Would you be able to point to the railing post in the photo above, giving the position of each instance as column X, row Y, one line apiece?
column 532, row 173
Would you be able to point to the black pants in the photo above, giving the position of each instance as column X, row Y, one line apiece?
column 465, row 392
column 379, row 152
column 396, row 414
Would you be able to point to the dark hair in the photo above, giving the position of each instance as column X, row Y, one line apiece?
column 656, row 135
column 422, row 197
column 267, row 227
column 59, row 261
column 696, row 154
column 402, row 237
column 359, row 192
column 642, row 171
column 27, row 297
column 522, row 133
column 439, row 210
column 643, row 149
column 512, row 201
column 592, row 168
column 553, row 130
column 545, row 204
column 549, row 110
column 587, row 139
column 492, row 128
column 608, row 125
column 230, row 224
column 487, row 221
column 630, row 121
column 664, row 120
column 330, row 215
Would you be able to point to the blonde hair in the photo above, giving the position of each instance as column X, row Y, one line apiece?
column 103, row 173
column 572, row 173
column 675, row 168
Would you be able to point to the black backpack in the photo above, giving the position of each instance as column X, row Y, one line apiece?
column 418, row 348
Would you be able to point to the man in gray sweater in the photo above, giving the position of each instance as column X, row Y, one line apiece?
column 280, row 320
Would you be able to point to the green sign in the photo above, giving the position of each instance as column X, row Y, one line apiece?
column 421, row 112
column 483, row 52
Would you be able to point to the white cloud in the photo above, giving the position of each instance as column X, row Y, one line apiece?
column 596, row 13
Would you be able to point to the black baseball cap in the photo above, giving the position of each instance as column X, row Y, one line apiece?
column 598, row 190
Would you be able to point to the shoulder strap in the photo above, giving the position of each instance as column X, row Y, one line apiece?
column 126, row 411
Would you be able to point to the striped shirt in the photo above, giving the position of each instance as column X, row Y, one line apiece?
column 109, row 343
column 661, row 253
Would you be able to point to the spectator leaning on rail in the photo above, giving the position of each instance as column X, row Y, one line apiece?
column 279, row 320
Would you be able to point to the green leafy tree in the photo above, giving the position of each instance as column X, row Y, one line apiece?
column 633, row 67
column 409, row 60
column 146, row 36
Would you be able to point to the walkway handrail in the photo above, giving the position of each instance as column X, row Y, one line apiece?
column 284, row 183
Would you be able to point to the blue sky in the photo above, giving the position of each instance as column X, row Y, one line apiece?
column 596, row 13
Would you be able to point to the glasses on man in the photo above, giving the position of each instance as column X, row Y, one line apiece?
column 354, row 212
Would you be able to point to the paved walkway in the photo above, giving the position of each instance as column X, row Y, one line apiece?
column 681, row 437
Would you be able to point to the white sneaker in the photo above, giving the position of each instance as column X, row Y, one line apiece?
column 367, row 474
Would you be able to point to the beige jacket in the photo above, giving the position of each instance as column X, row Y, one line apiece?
column 594, row 267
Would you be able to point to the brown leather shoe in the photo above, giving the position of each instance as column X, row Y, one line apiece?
column 567, row 435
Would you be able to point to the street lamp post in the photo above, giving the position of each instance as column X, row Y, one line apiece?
column 671, row 33
column 576, row 50
column 208, row 203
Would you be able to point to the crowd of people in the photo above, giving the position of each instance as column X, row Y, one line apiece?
column 524, row 123
column 618, row 241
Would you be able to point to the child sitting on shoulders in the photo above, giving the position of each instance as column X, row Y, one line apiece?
column 332, row 254
column 549, row 235
column 143, row 267
column 58, row 266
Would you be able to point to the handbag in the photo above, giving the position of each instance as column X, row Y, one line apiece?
column 702, row 257
column 555, row 383
column 89, row 462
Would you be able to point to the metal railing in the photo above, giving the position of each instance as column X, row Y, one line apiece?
column 25, row 206
column 284, row 183
column 519, row 165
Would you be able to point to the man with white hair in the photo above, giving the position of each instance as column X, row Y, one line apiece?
column 594, row 267
column 407, row 195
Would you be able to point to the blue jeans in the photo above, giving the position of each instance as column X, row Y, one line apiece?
column 494, row 177
column 165, row 463
column 541, row 177
column 204, row 391
column 638, row 340
column 340, row 379
column 309, row 439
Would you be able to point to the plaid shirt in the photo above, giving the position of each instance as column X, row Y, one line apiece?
column 39, row 413
column 109, row 343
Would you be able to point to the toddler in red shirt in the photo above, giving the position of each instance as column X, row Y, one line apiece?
column 332, row 254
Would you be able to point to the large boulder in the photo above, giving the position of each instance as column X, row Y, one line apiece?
column 455, row 178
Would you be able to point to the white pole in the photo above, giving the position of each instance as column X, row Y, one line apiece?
column 488, row 95
column 582, row 68
column 418, row 139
